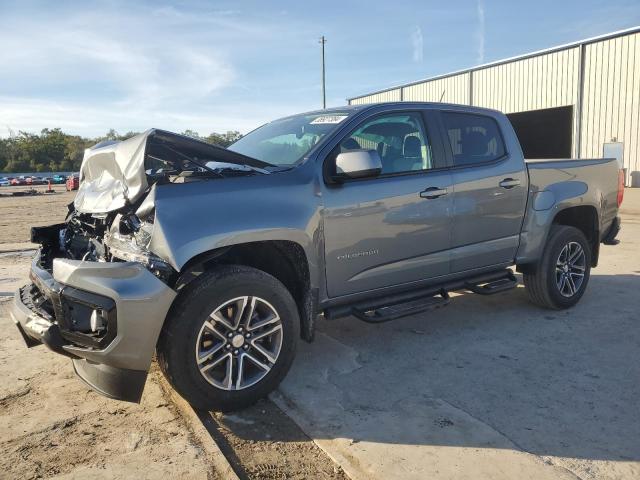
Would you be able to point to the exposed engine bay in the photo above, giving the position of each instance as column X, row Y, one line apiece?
column 101, row 238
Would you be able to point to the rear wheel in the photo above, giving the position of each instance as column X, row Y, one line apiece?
column 230, row 339
column 561, row 276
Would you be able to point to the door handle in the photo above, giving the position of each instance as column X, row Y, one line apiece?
column 433, row 192
column 509, row 183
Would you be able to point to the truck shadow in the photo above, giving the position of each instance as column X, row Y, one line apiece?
column 493, row 372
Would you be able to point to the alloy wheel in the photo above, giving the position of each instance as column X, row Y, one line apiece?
column 570, row 269
column 239, row 343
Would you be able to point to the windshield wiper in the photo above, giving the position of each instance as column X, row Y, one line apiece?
column 193, row 160
column 235, row 167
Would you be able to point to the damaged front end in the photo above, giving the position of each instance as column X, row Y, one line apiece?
column 98, row 294
column 119, row 237
column 103, row 311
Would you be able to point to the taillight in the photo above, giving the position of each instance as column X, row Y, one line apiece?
column 620, row 187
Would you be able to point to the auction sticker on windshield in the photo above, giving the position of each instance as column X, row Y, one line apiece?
column 329, row 119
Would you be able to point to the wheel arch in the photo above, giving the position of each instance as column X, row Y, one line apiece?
column 285, row 260
column 538, row 224
column 584, row 218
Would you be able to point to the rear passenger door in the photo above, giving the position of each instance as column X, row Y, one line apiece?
column 490, row 192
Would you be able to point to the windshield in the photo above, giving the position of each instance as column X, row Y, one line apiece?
column 285, row 142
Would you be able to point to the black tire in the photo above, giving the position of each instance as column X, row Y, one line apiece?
column 180, row 336
column 542, row 283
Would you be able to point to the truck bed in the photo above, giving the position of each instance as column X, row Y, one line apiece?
column 573, row 162
column 594, row 179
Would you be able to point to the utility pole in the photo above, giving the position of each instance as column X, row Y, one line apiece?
column 324, row 96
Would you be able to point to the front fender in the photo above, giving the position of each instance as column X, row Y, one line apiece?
column 192, row 219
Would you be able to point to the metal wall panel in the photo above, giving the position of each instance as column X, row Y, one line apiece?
column 610, row 109
column 453, row 89
column 388, row 96
column 545, row 81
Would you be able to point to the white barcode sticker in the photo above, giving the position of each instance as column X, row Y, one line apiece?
column 328, row 119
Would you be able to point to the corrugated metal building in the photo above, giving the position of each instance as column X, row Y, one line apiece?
column 577, row 100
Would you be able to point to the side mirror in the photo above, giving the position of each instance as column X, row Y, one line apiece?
column 358, row 164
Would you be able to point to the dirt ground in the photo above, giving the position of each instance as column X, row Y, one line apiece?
column 267, row 445
column 19, row 214
column 52, row 425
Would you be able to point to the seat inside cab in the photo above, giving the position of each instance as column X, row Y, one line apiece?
column 398, row 140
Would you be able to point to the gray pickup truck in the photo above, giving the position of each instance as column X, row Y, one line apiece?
column 220, row 259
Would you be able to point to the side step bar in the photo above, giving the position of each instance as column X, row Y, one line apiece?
column 407, row 303
column 496, row 286
column 391, row 312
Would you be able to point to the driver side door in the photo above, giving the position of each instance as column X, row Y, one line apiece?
column 394, row 228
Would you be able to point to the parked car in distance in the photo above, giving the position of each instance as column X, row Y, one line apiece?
column 58, row 179
column 219, row 259
column 5, row 182
column 73, row 182
column 33, row 180
column 18, row 181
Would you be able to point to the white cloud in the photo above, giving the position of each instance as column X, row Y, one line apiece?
column 481, row 31
column 417, row 45
column 130, row 69
column 111, row 48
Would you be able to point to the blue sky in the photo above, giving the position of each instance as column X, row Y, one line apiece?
column 216, row 66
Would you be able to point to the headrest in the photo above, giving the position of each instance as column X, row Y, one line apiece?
column 412, row 147
column 475, row 143
column 350, row 144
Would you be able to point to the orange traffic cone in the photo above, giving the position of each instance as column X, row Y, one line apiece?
column 49, row 189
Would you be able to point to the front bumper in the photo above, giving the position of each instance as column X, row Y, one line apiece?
column 133, row 301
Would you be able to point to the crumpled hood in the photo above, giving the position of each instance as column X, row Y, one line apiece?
column 112, row 174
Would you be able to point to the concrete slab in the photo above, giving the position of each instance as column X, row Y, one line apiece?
column 485, row 388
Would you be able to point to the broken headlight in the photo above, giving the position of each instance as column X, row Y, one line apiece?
column 130, row 242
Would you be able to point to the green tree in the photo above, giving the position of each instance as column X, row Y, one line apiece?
column 223, row 139
column 74, row 150
column 128, row 135
column 191, row 133
column 4, row 153
column 111, row 135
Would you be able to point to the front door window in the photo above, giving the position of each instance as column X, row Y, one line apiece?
column 399, row 139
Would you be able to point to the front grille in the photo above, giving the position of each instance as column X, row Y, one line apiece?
column 35, row 301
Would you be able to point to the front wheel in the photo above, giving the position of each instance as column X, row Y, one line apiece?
column 230, row 338
column 561, row 276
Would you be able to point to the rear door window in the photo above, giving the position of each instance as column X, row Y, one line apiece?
column 474, row 139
